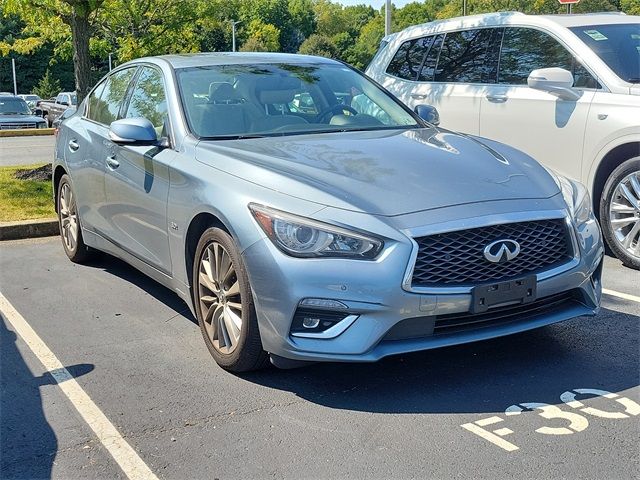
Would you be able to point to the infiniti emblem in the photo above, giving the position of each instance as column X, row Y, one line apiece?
column 501, row 251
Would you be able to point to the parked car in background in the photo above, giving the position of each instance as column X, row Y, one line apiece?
column 16, row 114
column 31, row 100
column 563, row 88
column 317, row 234
column 51, row 110
column 66, row 114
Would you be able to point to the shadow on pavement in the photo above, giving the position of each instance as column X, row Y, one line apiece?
column 28, row 443
column 123, row 270
column 536, row 366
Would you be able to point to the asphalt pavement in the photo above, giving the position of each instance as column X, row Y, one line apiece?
column 505, row 408
column 26, row 150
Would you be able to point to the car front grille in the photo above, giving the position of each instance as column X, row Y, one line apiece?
column 457, row 258
column 16, row 126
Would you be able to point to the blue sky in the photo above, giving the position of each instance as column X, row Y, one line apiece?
column 375, row 3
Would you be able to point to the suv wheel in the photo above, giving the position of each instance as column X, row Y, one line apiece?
column 620, row 212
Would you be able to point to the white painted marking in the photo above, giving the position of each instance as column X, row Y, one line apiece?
column 125, row 456
column 488, row 421
column 503, row 431
column 495, row 439
column 624, row 296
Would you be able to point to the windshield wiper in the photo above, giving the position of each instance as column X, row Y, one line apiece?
column 633, row 80
column 233, row 137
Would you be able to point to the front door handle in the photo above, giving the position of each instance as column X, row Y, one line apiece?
column 497, row 98
column 418, row 96
column 112, row 163
column 73, row 145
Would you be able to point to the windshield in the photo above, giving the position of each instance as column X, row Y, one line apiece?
column 231, row 101
column 618, row 45
column 13, row 105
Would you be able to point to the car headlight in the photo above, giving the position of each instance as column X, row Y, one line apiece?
column 42, row 125
column 577, row 199
column 303, row 237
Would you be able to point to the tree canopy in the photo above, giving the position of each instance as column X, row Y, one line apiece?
column 42, row 34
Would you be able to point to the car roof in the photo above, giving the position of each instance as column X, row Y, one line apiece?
column 507, row 18
column 234, row 58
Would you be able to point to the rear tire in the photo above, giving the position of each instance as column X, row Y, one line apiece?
column 620, row 212
column 224, row 304
column 69, row 223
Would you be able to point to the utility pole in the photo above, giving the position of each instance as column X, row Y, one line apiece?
column 387, row 18
column 464, row 8
column 110, row 61
column 233, row 33
column 15, row 85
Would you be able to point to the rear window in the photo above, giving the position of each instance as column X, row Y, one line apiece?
column 469, row 56
column 407, row 61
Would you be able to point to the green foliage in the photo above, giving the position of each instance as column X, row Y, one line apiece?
column 262, row 37
column 38, row 33
column 47, row 87
column 319, row 45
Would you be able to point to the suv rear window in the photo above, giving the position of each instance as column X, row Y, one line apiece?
column 408, row 59
column 469, row 56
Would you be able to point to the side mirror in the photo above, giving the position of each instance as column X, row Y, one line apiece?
column 556, row 81
column 132, row 131
column 38, row 112
column 428, row 113
column 66, row 104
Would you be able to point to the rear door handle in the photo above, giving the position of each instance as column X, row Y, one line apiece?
column 112, row 163
column 497, row 98
column 418, row 96
column 73, row 145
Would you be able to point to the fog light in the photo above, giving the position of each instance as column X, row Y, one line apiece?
column 310, row 322
column 322, row 303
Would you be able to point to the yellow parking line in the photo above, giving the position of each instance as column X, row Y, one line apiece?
column 125, row 456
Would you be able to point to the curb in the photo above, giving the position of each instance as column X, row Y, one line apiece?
column 27, row 132
column 43, row 227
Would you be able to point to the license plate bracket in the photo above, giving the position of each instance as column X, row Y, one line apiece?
column 518, row 291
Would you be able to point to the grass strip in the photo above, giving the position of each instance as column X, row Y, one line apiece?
column 24, row 199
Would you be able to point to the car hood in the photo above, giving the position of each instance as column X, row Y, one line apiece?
column 384, row 172
column 20, row 119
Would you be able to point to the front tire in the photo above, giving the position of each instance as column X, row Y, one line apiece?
column 224, row 304
column 69, row 223
column 620, row 212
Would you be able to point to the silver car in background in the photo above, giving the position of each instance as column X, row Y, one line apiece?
column 304, row 214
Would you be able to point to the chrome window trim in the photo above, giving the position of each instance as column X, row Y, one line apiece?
column 486, row 221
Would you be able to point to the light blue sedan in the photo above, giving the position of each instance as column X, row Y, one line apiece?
column 347, row 230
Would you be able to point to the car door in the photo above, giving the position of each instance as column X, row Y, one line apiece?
column 84, row 146
column 136, row 180
column 541, row 124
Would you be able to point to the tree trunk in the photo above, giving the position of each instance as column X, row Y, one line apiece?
column 80, row 33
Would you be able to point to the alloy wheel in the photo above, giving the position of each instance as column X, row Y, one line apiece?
column 624, row 214
column 219, row 297
column 68, row 218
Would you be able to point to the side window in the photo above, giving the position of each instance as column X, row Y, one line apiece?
column 108, row 106
column 407, row 61
column 94, row 101
column 60, row 99
column 525, row 50
column 468, row 57
column 148, row 99
column 431, row 59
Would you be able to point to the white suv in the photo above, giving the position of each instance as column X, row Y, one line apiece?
column 563, row 88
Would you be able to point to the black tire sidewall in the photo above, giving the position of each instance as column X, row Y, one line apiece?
column 248, row 355
column 624, row 169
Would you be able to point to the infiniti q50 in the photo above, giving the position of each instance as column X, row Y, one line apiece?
column 304, row 214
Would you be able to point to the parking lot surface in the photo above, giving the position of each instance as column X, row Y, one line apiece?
column 472, row 411
column 26, row 150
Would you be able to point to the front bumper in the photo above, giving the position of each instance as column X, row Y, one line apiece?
column 373, row 290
